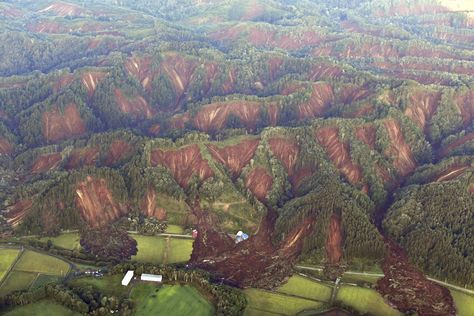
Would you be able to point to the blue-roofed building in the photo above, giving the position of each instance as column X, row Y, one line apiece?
column 241, row 236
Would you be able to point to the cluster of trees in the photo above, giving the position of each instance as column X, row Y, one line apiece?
column 434, row 224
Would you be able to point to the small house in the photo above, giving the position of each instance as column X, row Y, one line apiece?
column 195, row 233
column 152, row 277
column 127, row 278
column 241, row 236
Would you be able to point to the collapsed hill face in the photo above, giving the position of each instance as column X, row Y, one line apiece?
column 229, row 111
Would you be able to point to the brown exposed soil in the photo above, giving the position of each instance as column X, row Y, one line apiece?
column 96, row 203
column 18, row 211
column 259, row 182
column 140, row 68
column 82, row 157
column 46, row 162
column 334, row 240
column 465, row 104
column 366, row 134
column 352, row 93
column 183, row 163
column 149, row 207
column 63, row 82
column 214, row 116
column 235, row 157
column 274, row 65
column 287, row 151
column 321, row 98
column 59, row 125
column 91, row 79
column 451, row 173
column 117, row 151
column 10, row 12
column 322, row 71
column 445, row 151
column 339, row 153
column 399, row 150
column 135, row 106
column 409, row 290
column 48, row 27
column 421, row 107
column 256, row 262
column 155, row 129
column 253, row 12
column 5, row 147
column 63, row 9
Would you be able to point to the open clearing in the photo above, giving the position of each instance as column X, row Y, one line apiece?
column 17, row 280
column 174, row 300
column 31, row 261
column 67, row 241
column 266, row 303
column 305, row 288
column 159, row 249
column 366, row 301
column 42, row 308
column 174, row 229
column 7, row 257
column 464, row 303
column 109, row 284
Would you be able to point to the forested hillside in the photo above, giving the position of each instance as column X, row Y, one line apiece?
column 322, row 128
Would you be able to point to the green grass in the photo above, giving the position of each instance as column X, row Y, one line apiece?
column 359, row 278
column 175, row 300
column 180, row 250
column 44, row 279
column 365, row 301
column 17, row 280
column 263, row 302
column 32, row 261
column 464, row 303
column 141, row 291
column 174, row 229
column 42, row 308
column 109, row 284
column 67, row 241
column 7, row 257
column 306, row 288
column 150, row 248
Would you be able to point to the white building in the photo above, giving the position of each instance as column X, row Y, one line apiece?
column 151, row 277
column 127, row 278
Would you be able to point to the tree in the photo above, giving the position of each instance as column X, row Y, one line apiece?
column 108, row 242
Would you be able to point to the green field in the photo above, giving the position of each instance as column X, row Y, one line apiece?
column 173, row 300
column 150, row 249
column 67, row 241
column 7, row 257
column 42, row 308
column 366, row 301
column 32, row 261
column 267, row 303
column 109, row 284
column 174, row 229
column 359, row 278
column 303, row 287
column 464, row 303
column 179, row 250
column 17, row 280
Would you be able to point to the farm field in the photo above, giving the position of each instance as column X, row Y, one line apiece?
column 7, row 257
column 174, row 229
column 174, row 300
column 158, row 249
column 110, row 285
column 305, row 288
column 17, row 280
column 464, row 303
column 266, row 303
column 42, row 308
column 31, row 261
column 67, row 241
column 179, row 250
column 366, row 301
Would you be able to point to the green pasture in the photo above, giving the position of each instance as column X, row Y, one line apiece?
column 42, row 308
column 158, row 249
column 7, row 258
column 366, row 301
column 306, row 288
column 174, row 229
column 464, row 303
column 172, row 300
column 31, row 261
column 179, row 250
column 67, row 241
column 109, row 284
column 17, row 280
column 268, row 303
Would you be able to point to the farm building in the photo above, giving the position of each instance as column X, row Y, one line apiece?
column 151, row 277
column 127, row 278
column 241, row 236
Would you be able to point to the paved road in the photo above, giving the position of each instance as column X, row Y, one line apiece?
column 452, row 286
